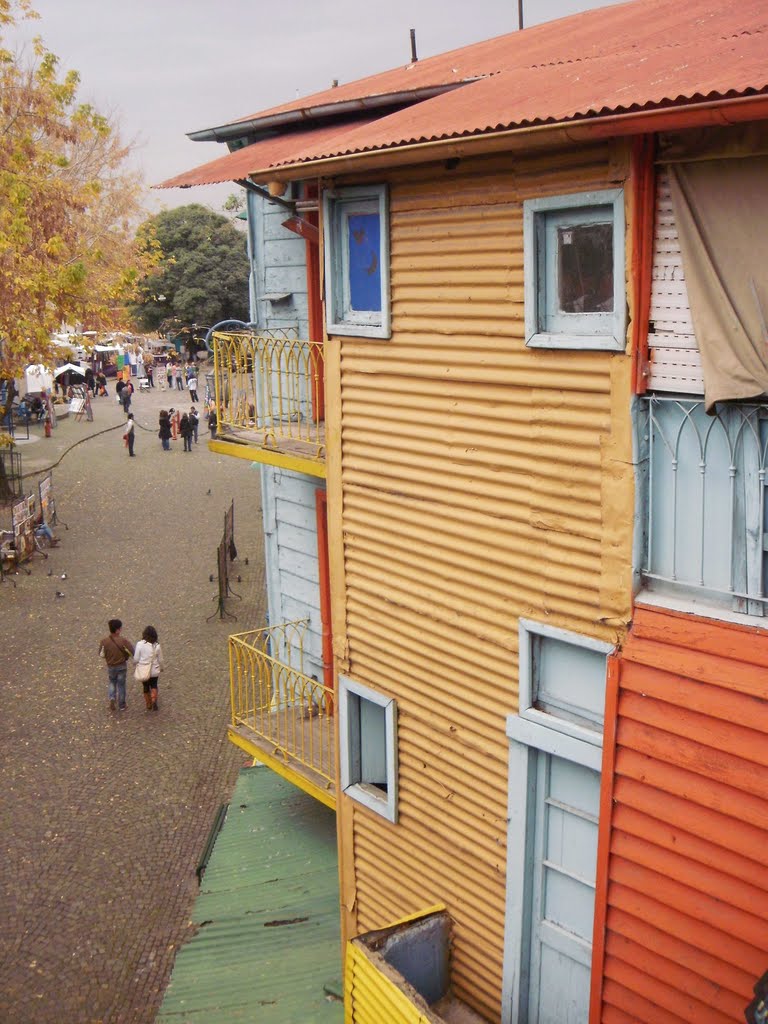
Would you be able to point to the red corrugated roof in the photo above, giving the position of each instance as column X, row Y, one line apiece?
column 237, row 165
column 609, row 60
column 632, row 28
column 614, row 83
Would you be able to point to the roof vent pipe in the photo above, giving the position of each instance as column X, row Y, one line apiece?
column 414, row 58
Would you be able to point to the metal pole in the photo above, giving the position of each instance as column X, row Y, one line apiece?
column 519, row 14
column 414, row 58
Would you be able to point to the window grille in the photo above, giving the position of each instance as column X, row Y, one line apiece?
column 705, row 518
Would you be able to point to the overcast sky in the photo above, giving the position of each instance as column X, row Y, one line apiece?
column 167, row 67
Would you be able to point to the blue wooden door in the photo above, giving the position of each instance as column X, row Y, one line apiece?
column 564, row 856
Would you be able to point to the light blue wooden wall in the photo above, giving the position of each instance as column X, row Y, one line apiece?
column 278, row 264
column 290, row 535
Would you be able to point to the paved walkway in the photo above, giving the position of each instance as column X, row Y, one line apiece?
column 103, row 815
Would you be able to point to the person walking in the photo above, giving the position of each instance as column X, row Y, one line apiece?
column 164, row 433
column 150, row 371
column 101, row 384
column 129, row 434
column 194, row 419
column 192, row 385
column 185, row 428
column 148, row 656
column 116, row 651
column 125, row 396
column 169, row 373
column 177, row 375
column 213, row 422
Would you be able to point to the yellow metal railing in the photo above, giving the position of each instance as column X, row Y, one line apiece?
column 273, row 698
column 271, row 384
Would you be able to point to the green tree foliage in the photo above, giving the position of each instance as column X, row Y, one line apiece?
column 68, row 206
column 204, row 276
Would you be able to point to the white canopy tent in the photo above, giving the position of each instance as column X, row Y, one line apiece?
column 68, row 366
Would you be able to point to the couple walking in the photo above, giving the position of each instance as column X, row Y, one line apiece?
column 117, row 650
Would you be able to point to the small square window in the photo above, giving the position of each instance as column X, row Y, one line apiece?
column 562, row 679
column 356, row 236
column 368, row 747
column 574, row 271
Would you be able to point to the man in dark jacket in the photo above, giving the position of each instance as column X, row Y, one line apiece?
column 116, row 651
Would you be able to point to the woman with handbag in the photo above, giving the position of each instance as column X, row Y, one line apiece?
column 149, row 664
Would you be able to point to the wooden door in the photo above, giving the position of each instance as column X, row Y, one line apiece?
column 564, row 856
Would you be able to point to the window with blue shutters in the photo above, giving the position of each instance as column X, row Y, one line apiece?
column 356, row 234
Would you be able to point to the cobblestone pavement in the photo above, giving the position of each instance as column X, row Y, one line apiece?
column 105, row 815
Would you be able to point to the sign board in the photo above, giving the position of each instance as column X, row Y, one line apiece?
column 47, row 504
column 23, row 515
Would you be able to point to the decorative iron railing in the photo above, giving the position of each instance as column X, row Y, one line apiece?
column 273, row 698
column 270, row 386
column 705, row 518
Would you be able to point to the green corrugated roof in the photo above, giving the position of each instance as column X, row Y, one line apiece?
column 268, row 946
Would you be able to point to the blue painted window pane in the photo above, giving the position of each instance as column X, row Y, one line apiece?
column 364, row 241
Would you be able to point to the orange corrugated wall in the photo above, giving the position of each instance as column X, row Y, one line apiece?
column 686, row 869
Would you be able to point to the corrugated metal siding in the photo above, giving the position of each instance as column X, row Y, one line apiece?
column 266, row 943
column 371, row 998
column 675, row 358
column 475, row 473
column 688, row 868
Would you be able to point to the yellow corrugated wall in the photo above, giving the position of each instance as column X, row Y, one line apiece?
column 480, row 481
column 371, row 998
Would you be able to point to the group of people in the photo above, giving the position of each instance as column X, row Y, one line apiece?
column 147, row 656
column 187, row 425
column 179, row 375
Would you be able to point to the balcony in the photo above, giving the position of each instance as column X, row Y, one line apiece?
column 281, row 716
column 705, row 522
column 270, row 399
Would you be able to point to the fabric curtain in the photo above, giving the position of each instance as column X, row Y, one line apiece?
column 721, row 209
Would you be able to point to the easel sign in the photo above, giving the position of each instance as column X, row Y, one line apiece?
column 24, row 528
column 47, row 504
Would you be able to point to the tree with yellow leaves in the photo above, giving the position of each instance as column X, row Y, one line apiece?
column 68, row 206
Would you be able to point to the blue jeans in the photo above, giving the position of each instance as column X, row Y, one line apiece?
column 117, row 674
column 166, row 444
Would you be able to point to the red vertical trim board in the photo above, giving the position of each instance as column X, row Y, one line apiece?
column 604, row 837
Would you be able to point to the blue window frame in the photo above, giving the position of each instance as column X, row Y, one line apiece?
column 356, row 235
column 575, row 293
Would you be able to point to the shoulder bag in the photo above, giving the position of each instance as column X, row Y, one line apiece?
column 143, row 671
